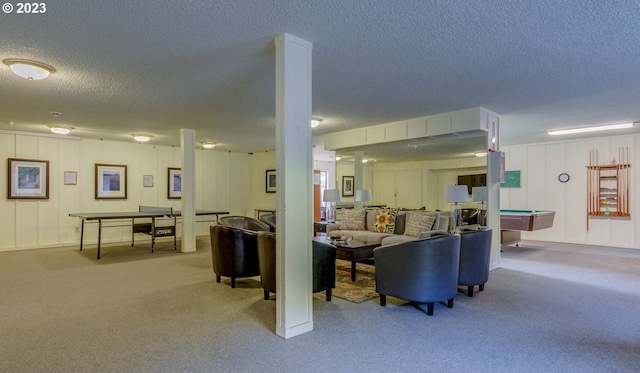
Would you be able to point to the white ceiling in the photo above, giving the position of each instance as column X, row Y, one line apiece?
column 158, row 66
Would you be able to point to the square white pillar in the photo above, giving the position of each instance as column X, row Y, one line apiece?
column 294, row 183
column 188, row 185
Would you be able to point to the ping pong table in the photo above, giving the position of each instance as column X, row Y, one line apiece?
column 129, row 218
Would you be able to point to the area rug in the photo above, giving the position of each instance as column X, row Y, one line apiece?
column 362, row 290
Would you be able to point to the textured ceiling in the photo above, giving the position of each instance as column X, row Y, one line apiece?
column 158, row 66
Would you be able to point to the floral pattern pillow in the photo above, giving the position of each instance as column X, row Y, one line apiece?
column 352, row 220
column 417, row 221
column 385, row 221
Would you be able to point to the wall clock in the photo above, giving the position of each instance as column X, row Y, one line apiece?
column 563, row 177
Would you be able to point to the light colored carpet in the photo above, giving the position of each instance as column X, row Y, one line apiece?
column 61, row 310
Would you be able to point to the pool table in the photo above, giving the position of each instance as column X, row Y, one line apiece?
column 512, row 222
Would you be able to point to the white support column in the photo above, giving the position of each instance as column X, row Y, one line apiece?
column 294, row 180
column 495, row 169
column 188, row 147
column 358, row 171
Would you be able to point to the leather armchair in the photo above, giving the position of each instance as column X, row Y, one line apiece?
column 270, row 220
column 234, row 252
column 422, row 271
column 475, row 254
column 243, row 222
column 323, row 266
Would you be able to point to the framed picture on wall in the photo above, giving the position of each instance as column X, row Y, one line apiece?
column 111, row 181
column 28, row 179
column 347, row 186
column 70, row 178
column 147, row 181
column 175, row 183
column 270, row 180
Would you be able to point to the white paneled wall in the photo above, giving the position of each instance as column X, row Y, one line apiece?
column 540, row 165
column 223, row 183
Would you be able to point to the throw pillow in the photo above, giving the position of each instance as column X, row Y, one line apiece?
column 417, row 222
column 385, row 221
column 352, row 220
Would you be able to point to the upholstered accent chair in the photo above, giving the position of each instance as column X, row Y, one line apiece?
column 475, row 254
column 323, row 266
column 270, row 220
column 243, row 222
column 234, row 252
column 422, row 271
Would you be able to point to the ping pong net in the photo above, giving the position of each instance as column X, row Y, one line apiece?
column 166, row 211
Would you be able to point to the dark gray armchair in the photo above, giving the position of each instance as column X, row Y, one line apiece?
column 422, row 271
column 270, row 220
column 243, row 222
column 234, row 252
column 475, row 253
column 323, row 266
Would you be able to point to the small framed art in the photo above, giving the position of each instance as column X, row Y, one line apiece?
column 70, row 178
column 175, row 183
column 270, row 180
column 28, row 179
column 147, row 181
column 347, row 186
column 111, row 181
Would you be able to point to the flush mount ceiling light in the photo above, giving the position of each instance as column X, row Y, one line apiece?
column 31, row 70
column 141, row 137
column 569, row 131
column 60, row 130
column 480, row 154
column 208, row 145
column 315, row 122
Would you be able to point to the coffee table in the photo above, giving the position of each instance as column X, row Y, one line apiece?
column 353, row 251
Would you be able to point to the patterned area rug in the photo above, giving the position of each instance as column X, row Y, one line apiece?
column 362, row 290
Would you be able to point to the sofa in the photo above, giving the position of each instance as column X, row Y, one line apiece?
column 388, row 226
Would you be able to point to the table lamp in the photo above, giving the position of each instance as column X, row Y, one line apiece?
column 331, row 196
column 456, row 194
column 479, row 194
column 363, row 195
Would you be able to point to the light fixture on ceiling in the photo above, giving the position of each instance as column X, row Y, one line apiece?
column 31, row 70
column 208, row 145
column 480, row 154
column 141, row 137
column 60, row 130
column 338, row 158
column 569, row 131
column 315, row 122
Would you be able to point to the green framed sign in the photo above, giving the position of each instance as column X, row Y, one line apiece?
column 511, row 179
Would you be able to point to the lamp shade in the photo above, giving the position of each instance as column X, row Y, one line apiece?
column 479, row 194
column 363, row 195
column 331, row 195
column 456, row 193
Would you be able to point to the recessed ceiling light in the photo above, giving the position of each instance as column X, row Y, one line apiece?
column 480, row 154
column 141, row 137
column 315, row 122
column 60, row 130
column 31, row 70
column 208, row 145
column 591, row 129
